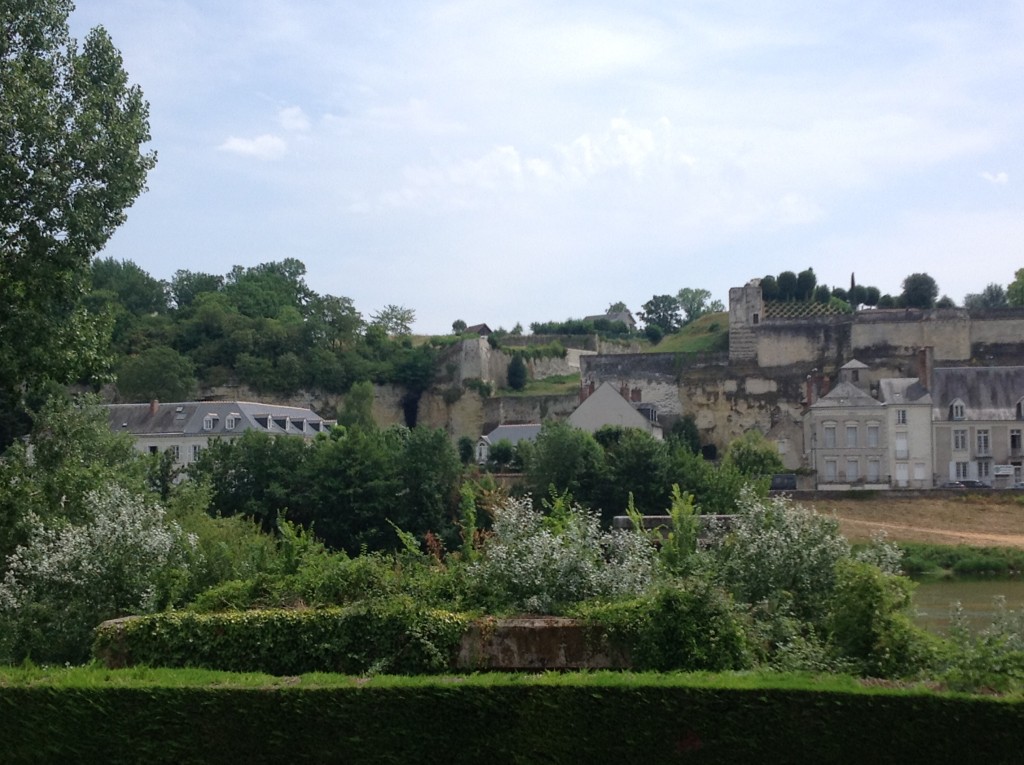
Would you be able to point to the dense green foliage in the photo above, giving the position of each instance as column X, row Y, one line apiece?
column 348, row 485
column 394, row 635
column 603, row 327
column 493, row 718
column 72, row 128
column 262, row 327
column 960, row 560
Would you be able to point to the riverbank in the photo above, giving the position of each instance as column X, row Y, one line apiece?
column 975, row 519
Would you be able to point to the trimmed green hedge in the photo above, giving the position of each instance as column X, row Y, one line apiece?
column 571, row 719
column 392, row 636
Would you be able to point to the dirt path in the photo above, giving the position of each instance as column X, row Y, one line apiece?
column 995, row 520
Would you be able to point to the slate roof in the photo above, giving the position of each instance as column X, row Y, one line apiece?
column 988, row 393
column 844, row 395
column 903, row 390
column 188, row 417
column 512, row 433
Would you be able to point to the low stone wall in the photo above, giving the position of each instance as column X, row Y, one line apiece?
column 535, row 643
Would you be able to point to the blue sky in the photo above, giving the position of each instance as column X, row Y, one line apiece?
column 516, row 161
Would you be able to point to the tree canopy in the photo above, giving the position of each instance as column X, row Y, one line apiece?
column 919, row 291
column 72, row 128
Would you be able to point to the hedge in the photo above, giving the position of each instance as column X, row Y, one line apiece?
column 573, row 719
column 393, row 636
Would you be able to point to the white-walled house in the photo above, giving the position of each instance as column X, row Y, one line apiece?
column 186, row 428
column 862, row 435
column 606, row 406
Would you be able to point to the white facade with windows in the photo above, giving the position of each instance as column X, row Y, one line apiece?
column 977, row 419
column 870, row 435
column 186, row 428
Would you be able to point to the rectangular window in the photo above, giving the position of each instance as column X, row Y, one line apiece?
column 962, row 470
column 231, row 422
column 874, row 470
column 901, row 416
column 176, row 451
column 873, row 436
column 959, row 440
column 830, row 471
column 1015, row 441
column 852, row 471
column 902, row 450
column 919, row 469
column 208, row 422
column 983, row 442
column 830, row 436
column 196, row 448
column 851, row 436
column 984, row 469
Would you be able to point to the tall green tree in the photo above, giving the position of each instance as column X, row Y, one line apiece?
column 695, row 302
column 517, row 372
column 993, row 296
column 754, row 455
column 1015, row 291
column 806, row 281
column 919, row 291
column 72, row 128
column 160, row 373
column 565, row 459
column 663, row 312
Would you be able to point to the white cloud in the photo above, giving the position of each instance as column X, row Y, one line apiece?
column 261, row 147
column 293, row 119
column 999, row 179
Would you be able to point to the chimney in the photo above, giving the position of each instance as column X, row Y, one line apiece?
column 924, row 367
column 154, row 405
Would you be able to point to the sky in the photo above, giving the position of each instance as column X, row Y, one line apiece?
column 522, row 161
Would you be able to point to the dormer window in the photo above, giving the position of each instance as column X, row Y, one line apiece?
column 956, row 410
column 263, row 420
column 232, row 421
column 281, row 422
column 209, row 422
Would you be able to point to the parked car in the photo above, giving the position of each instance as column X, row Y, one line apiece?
column 970, row 483
column 952, row 485
column 1018, row 485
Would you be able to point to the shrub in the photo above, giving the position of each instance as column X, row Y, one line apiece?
column 778, row 551
column 126, row 559
column 868, row 621
column 992, row 659
column 685, row 626
column 394, row 635
column 544, row 564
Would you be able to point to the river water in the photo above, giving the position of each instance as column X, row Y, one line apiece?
column 933, row 597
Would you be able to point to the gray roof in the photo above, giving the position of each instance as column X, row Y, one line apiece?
column 988, row 393
column 188, row 417
column 513, row 433
column 844, row 395
column 854, row 364
column 903, row 390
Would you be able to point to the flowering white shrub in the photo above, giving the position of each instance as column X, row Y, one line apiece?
column 781, row 552
column 127, row 558
column 542, row 564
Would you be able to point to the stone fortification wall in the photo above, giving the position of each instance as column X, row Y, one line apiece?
column 899, row 332
column 475, row 358
column 814, row 342
column 997, row 337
